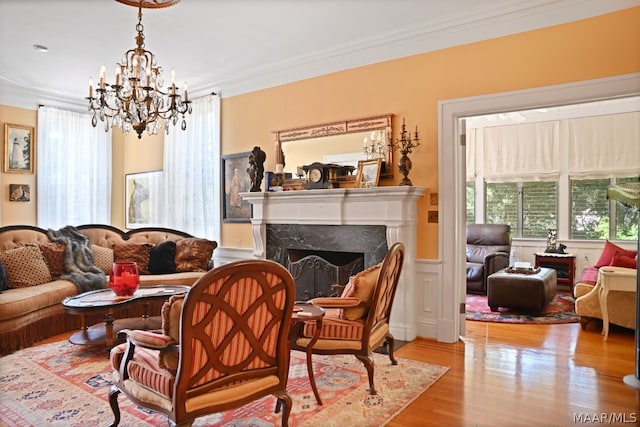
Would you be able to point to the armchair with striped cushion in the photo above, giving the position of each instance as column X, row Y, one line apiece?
column 222, row 346
column 358, row 322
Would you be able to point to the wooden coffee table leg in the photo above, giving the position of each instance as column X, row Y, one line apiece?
column 108, row 326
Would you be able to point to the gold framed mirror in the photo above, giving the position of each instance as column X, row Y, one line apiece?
column 341, row 142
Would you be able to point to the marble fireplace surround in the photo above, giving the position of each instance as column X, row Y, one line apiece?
column 394, row 207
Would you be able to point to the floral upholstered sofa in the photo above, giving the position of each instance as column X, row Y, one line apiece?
column 39, row 268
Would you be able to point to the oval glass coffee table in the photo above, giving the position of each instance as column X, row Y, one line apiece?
column 105, row 301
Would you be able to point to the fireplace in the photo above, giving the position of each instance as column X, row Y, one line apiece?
column 318, row 254
column 363, row 221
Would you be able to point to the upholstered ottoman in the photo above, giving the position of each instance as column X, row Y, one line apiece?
column 526, row 292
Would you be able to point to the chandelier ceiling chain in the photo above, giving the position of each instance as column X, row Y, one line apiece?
column 138, row 99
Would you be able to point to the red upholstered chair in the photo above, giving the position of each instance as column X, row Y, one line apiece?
column 358, row 322
column 222, row 346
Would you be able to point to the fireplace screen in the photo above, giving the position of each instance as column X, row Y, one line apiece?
column 316, row 271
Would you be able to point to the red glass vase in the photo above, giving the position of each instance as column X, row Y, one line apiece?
column 124, row 279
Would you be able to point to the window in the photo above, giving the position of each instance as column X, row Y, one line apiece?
column 74, row 170
column 530, row 208
column 593, row 216
column 471, row 203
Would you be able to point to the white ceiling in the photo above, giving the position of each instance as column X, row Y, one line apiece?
column 237, row 46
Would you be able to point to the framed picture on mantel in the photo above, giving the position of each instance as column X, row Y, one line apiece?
column 368, row 173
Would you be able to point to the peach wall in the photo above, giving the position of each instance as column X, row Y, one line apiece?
column 411, row 87
column 17, row 212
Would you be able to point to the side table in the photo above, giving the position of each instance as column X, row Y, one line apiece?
column 303, row 313
column 613, row 279
column 564, row 264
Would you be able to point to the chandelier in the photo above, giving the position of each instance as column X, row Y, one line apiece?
column 138, row 98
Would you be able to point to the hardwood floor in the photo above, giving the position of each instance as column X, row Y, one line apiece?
column 524, row 375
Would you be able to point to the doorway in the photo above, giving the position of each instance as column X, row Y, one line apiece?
column 452, row 173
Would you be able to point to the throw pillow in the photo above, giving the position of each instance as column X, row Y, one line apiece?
column 194, row 254
column 624, row 261
column 134, row 252
column 25, row 267
column 3, row 278
column 610, row 249
column 361, row 286
column 171, row 314
column 102, row 258
column 54, row 256
column 162, row 259
column 589, row 276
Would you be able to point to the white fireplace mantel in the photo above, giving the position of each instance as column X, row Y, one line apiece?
column 394, row 207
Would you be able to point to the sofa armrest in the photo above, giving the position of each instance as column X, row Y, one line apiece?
column 496, row 261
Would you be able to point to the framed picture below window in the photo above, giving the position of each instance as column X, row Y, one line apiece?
column 19, row 149
column 235, row 180
column 368, row 173
column 142, row 199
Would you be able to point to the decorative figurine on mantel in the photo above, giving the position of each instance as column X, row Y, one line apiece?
column 406, row 145
column 256, row 168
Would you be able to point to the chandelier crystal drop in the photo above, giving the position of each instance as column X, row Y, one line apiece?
column 138, row 100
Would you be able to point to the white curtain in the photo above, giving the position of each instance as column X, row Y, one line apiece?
column 74, row 170
column 190, row 194
column 524, row 152
column 605, row 146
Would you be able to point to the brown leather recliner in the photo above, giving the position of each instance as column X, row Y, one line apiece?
column 488, row 249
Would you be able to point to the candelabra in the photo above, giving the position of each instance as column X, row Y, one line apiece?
column 375, row 148
column 406, row 146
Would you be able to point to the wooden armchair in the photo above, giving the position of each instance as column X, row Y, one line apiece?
column 222, row 346
column 358, row 321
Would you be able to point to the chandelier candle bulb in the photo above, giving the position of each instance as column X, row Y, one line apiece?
column 90, row 88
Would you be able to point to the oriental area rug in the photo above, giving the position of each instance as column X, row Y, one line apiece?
column 560, row 310
column 61, row 384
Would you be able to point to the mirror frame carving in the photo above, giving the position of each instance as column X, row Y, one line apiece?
column 342, row 127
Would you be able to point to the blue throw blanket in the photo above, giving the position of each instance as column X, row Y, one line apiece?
column 78, row 259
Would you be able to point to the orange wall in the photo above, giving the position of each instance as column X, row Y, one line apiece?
column 411, row 87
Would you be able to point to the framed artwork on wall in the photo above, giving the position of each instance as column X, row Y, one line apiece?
column 19, row 149
column 19, row 193
column 368, row 173
column 235, row 180
column 142, row 199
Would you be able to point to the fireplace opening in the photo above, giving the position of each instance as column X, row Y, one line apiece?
column 316, row 271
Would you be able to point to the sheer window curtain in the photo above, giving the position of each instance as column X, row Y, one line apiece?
column 74, row 170
column 190, row 198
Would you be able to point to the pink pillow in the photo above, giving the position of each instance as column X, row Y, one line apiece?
column 589, row 275
column 624, row 261
column 606, row 257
